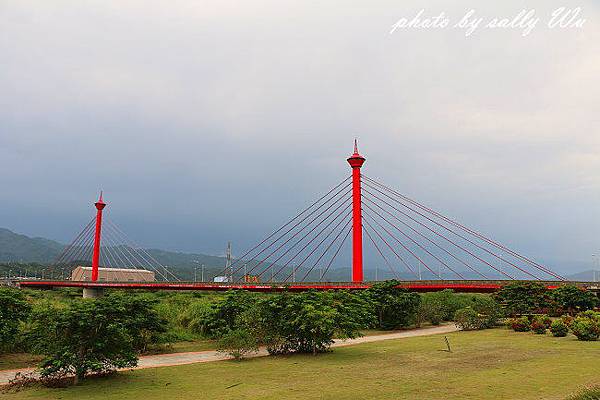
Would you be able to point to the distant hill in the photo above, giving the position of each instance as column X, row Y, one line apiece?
column 17, row 248
column 23, row 249
column 587, row 276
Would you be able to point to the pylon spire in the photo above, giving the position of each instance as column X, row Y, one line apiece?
column 96, row 254
column 356, row 161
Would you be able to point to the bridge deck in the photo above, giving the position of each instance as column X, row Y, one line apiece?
column 417, row 286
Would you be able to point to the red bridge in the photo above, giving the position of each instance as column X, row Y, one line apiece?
column 411, row 239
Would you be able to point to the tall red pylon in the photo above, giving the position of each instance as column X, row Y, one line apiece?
column 96, row 256
column 356, row 161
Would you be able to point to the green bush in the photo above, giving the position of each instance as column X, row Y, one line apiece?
column 430, row 309
column 488, row 309
column 14, row 309
column 591, row 393
column 468, row 319
column 586, row 328
column 559, row 328
column 520, row 324
column 237, row 343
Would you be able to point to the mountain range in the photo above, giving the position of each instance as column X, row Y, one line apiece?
column 17, row 248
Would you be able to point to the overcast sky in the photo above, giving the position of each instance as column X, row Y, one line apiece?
column 209, row 121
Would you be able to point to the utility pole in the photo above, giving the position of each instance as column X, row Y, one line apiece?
column 202, row 272
column 376, row 273
column 228, row 263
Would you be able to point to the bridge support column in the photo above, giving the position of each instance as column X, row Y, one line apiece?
column 92, row 293
column 96, row 256
column 356, row 161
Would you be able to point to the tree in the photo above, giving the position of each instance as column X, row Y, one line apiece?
column 237, row 343
column 393, row 307
column 523, row 297
column 14, row 309
column 572, row 299
column 226, row 312
column 307, row 322
column 91, row 335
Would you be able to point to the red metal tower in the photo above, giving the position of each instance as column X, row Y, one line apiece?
column 356, row 161
column 96, row 256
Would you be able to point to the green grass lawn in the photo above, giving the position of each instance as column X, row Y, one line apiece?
column 25, row 360
column 492, row 364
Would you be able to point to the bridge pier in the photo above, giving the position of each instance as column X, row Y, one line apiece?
column 92, row 293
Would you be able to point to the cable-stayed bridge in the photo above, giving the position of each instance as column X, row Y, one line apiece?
column 408, row 237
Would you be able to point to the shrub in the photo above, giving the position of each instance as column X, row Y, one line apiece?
column 586, row 328
column 559, row 328
column 520, row 324
column 13, row 310
column 237, row 343
column 488, row 309
column 567, row 319
column 538, row 326
column 591, row 393
column 468, row 319
column 593, row 315
column 546, row 320
column 430, row 309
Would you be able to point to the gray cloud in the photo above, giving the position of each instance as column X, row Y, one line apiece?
column 213, row 121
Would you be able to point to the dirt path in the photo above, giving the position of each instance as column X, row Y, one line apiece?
column 166, row 360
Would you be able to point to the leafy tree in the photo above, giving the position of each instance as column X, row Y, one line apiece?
column 572, row 299
column 92, row 335
column 307, row 322
column 226, row 312
column 142, row 322
column 523, row 297
column 394, row 307
column 14, row 309
column 237, row 343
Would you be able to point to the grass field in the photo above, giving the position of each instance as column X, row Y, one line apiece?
column 493, row 364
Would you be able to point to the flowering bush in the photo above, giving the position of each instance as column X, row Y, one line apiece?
column 567, row 319
column 520, row 324
column 538, row 325
column 546, row 320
